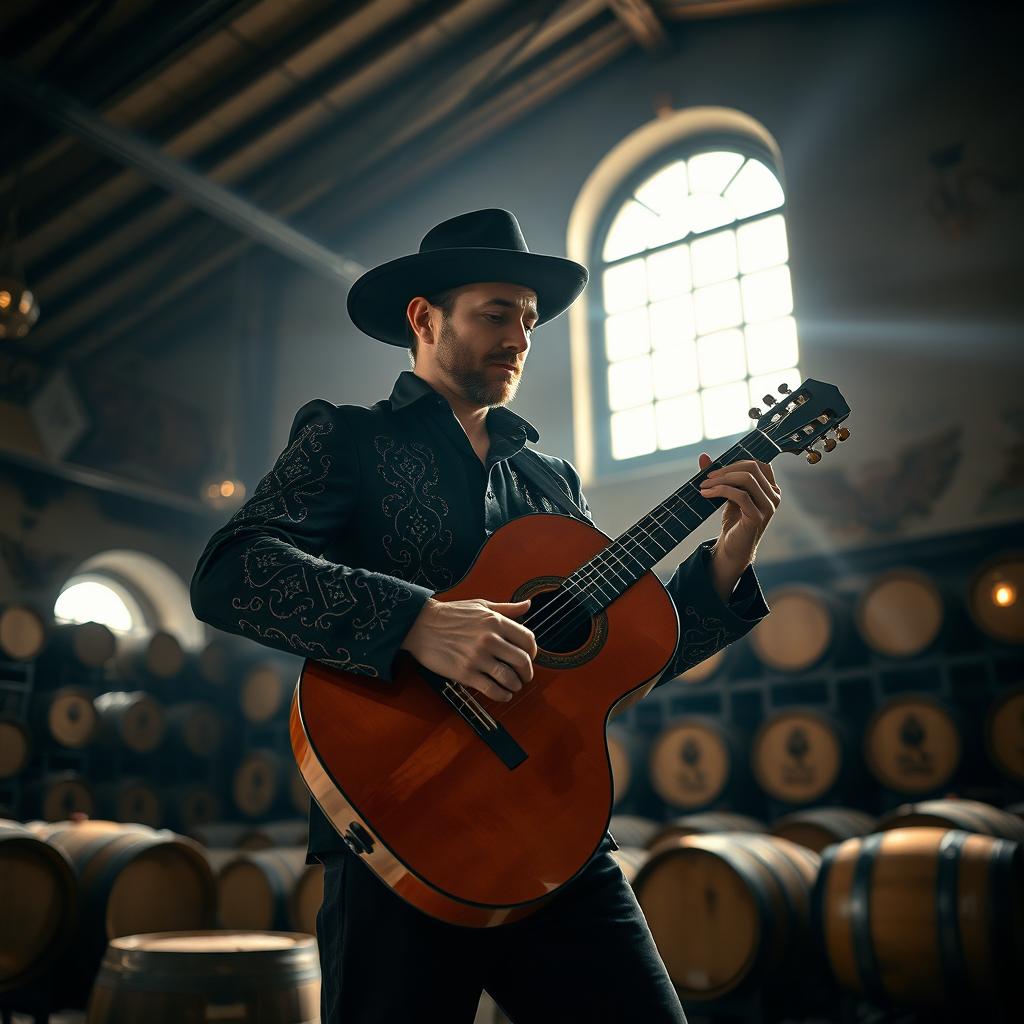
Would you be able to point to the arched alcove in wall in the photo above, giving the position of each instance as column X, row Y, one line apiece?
column 151, row 589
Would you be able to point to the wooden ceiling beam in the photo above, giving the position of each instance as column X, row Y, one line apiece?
column 643, row 24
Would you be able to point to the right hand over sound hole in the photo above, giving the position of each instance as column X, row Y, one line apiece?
column 475, row 643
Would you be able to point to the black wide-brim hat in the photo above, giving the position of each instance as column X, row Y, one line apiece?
column 485, row 245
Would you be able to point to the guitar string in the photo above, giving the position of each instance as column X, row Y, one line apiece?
column 568, row 618
column 611, row 551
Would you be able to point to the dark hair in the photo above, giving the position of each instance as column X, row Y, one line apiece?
column 445, row 301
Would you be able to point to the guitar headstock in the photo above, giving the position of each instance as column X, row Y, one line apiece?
column 804, row 417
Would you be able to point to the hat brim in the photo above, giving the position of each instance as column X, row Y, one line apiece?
column 378, row 300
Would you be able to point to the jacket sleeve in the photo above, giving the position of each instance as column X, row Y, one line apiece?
column 706, row 623
column 262, row 574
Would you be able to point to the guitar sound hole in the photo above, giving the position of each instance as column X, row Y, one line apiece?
column 558, row 623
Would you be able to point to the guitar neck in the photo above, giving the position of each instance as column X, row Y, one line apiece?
column 615, row 569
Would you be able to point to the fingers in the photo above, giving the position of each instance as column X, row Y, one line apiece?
column 751, row 476
column 757, row 503
column 517, row 635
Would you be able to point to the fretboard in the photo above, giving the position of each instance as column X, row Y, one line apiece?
column 614, row 570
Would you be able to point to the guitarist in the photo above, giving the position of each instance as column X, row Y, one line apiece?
column 365, row 515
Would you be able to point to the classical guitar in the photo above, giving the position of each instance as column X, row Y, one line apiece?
column 478, row 811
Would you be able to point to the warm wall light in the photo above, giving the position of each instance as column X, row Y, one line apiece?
column 225, row 493
column 1004, row 594
column 19, row 309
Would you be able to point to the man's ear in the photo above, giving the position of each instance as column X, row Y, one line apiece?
column 418, row 314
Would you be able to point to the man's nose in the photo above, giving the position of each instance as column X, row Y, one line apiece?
column 521, row 337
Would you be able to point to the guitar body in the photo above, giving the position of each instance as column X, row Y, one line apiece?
column 481, row 826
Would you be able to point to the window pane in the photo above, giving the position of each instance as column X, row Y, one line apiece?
column 678, row 421
column 714, row 258
column 93, row 602
column 633, row 432
column 755, row 190
column 705, row 212
column 665, row 195
column 668, row 273
column 769, row 383
column 675, row 370
column 766, row 295
column 762, row 244
column 771, row 345
column 672, row 322
column 717, row 306
column 629, row 231
column 629, row 383
column 625, row 286
column 627, row 334
column 721, row 358
column 725, row 409
column 711, row 172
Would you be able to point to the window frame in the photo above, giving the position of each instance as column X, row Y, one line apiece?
column 605, row 466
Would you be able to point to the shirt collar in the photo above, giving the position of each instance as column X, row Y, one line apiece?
column 409, row 389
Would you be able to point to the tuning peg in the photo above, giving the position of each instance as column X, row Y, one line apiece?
column 830, row 443
column 813, row 456
column 842, row 433
column 755, row 413
column 783, row 389
column 769, row 399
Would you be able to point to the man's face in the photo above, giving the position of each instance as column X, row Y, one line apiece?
column 482, row 346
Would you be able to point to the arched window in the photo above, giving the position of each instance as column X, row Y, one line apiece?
column 93, row 597
column 691, row 303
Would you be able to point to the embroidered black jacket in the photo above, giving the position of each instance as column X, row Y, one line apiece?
column 369, row 511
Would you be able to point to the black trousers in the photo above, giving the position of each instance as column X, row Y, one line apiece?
column 587, row 956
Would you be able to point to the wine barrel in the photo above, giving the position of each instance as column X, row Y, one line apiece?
column 264, row 692
column 15, row 747
column 704, row 823
column 224, row 835
column 912, row 744
column 259, row 783
column 214, row 664
column 967, row 815
column 1004, row 733
column 728, row 912
column 39, row 897
column 132, row 879
column 191, row 806
column 67, row 716
column 996, row 598
column 924, row 916
column 632, row 830
column 132, row 721
column 695, row 762
column 901, row 613
column 241, row 976
column 23, row 631
column 130, row 800
column 195, row 728
column 805, row 625
column 627, row 752
column 58, row 795
column 799, row 755
column 267, row 834
column 270, row 889
column 818, row 827
column 156, row 656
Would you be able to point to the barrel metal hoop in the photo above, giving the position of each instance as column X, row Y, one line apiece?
column 1001, row 878
column 860, row 919
column 819, row 926
column 947, row 907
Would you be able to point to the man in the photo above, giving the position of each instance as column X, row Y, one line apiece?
column 366, row 514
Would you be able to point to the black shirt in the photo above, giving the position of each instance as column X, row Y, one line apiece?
column 368, row 511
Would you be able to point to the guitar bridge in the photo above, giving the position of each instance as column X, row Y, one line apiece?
column 477, row 717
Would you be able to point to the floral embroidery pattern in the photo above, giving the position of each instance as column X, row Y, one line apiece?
column 289, row 584
column 298, row 474
column 546, row 505
column 700, row 637
column 418, row 515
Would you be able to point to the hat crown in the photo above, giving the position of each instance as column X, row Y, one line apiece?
column 481, row 229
